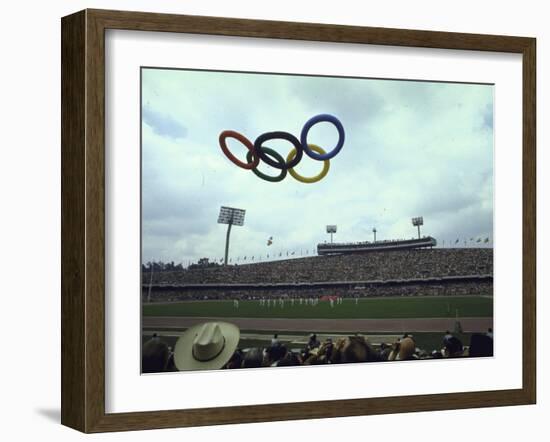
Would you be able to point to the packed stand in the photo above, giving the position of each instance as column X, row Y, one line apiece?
column 375, row 266
column 214, row 345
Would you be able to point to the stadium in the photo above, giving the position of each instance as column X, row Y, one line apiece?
column 382, row 290
column 356, row 152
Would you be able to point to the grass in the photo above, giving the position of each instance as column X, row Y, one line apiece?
column 374, row 308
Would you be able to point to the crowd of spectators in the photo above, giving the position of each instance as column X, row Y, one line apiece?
column 159, row 357
column 381, row 241
column 387, row 244
column 414, row 264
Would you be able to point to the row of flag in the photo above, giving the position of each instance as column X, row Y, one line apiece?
column 476, row 240
column 288, row 253
column 272, row 255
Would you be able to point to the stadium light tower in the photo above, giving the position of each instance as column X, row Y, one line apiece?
column 374, row 231
column 418, row 221
column 331, row 229
column 231, row 217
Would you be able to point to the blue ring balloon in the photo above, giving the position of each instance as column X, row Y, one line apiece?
column 317, row 119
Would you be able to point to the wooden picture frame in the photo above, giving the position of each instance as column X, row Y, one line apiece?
column 83, row 219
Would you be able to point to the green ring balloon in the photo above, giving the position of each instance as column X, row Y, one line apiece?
column 263, row 176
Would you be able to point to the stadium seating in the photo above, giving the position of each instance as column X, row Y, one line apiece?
column 395, row 273
column 374, row 266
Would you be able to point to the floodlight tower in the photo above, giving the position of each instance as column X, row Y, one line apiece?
column 374, row 231
column 331, row 229
column 418, row 221
column 231, row 217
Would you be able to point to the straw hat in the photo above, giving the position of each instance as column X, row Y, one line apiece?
column 206, row 346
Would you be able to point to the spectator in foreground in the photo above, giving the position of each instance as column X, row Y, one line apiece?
column 447, row 337
column 313, row 342
column 385, row 351
column 403, row 350
column 273, row 354
column 353, row 349
column 170, row 365
column 236, row 360
column 320, row 355
column 481, row 345
column 253, row 358
column 328, row 349
column 154, row 356
column 289, row 360
column 453, row 348
column 311, row 357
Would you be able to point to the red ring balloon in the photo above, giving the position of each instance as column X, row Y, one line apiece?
column 247, row 143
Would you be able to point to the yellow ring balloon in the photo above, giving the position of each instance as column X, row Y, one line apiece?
column 313, row 179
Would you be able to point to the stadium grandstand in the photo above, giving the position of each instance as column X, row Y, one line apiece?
column 362, row 247
column 393, row 272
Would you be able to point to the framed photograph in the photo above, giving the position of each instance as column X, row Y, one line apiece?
column 269, row 220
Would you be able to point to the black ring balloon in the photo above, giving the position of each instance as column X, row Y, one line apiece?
column 282, row 136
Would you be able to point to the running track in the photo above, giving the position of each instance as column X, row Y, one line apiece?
column 326, row 325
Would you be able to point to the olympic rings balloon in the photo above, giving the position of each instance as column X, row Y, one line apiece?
column 257, row 151
column 247, row 143
column 281, row 136
column 313, row 179
column 263, row 176
column 317, row 119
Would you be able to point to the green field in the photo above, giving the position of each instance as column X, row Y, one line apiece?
column 374, row 308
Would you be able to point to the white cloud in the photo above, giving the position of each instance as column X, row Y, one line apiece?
column 412, row 148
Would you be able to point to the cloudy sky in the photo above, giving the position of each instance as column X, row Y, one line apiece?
column 411, row 149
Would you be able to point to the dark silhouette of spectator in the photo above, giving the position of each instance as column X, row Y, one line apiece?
column 236, row 360
column 481, row 345
column 353, row 349
column 274, row 353
column 447, row 337
column 453, row 348
column 313, row 342
column 385, row 351
column 154, row 356
column 253, row 358
column 289, row 360
column 328, row 349
column 170, row 364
